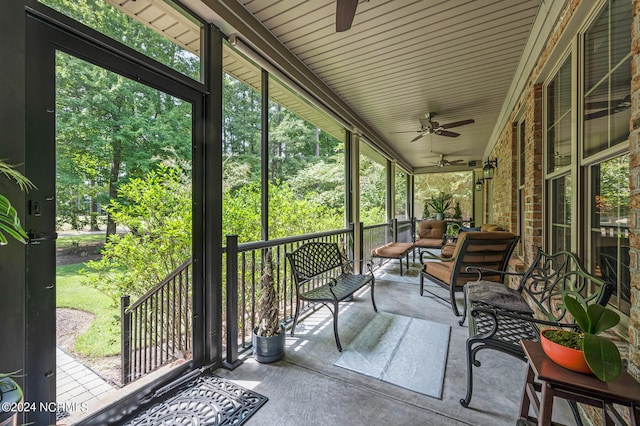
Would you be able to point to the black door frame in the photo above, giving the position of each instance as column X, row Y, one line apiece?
column 48, row 32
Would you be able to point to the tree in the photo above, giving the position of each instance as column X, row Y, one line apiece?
column 111, row 128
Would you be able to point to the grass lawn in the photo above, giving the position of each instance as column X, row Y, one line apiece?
column 103, row 336
column 66, row 241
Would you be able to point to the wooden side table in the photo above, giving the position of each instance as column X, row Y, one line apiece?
column 547, row 377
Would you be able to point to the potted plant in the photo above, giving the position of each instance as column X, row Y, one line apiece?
column 268, row 335
column 457, row 211
column 10, row 391
column 10, row 395
column 440, row 204
column 585, row 351
column 425, row 210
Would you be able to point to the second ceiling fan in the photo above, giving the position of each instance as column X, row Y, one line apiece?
column 430, row 127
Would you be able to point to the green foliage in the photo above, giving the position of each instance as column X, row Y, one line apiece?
column 373, row 187
column 289, row 213
column 156, row 212
column 457, row 211
column 459, row 184
column 9, row 221
column 601, row 354
column 440, row 203
column 425, row 210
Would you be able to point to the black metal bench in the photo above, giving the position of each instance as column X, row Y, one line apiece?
column 321, row 274
column 499, row 316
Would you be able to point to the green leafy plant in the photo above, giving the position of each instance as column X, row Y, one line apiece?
column 440, row 203
column 457, row 211
column 601, row 354
column 425, row 210
column 453, row 229
column 9, row 221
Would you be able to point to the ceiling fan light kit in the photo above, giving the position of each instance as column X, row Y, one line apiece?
column 442, row 162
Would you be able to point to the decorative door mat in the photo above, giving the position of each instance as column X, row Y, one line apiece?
column 205, row 400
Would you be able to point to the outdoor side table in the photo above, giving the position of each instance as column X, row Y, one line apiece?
column 547, row 377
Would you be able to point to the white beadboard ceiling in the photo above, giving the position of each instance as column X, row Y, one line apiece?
column 400, row 60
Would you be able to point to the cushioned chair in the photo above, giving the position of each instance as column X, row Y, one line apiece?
column 430, row 234
column 488, row 250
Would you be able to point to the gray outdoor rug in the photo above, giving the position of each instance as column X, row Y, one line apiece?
column 404, row 351
column 205, row 400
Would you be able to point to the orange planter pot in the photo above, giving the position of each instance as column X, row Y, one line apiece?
column 571, row 359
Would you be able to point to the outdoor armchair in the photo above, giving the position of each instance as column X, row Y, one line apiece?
column 490, row 250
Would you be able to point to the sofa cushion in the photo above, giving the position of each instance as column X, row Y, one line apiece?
column 432, row 229
column 490, row 227
column 392, row 250
column 429, row 242
column 496, row 294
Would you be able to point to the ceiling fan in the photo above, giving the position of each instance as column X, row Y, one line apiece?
column 430, row 127
column 442, row 162
column 345, row 11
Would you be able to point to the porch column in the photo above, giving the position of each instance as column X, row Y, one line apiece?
column 353, row 156
column 391, row 196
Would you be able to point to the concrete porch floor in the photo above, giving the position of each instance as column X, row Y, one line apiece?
column 305, row 388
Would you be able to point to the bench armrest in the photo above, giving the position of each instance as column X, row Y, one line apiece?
column 480, row 270
column 435, row 257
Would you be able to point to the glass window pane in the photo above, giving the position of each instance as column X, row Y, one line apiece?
column 596, row 54
column 373, row 187
column 607, row 78
column 401, row 195
column 123, row 170
column 620, row 113
column 596, row 120
column 558, row 103
column 610, row 228
column 620, row 31
column 159, row 29
column 241, row 147
column 561, row 214
column 306, row 165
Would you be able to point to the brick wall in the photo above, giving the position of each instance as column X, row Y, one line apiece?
column 504, row 185
column 634, row 182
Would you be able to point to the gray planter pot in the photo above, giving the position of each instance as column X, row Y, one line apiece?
column 439, row 216
column 269, row 349
column 11, row 394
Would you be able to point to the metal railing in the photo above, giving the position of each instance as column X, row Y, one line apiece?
column 243, row 263
column 405, row 230
column 156, row 329
column 375, row 236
